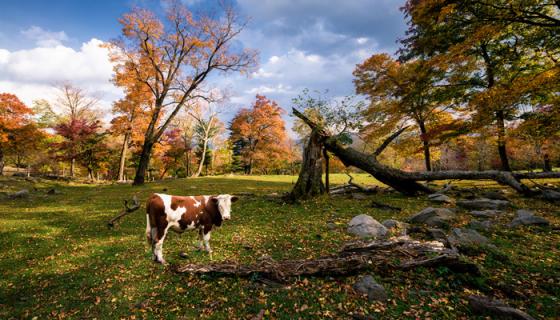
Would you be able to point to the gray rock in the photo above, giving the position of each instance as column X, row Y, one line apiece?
column 466, row 238
column 438, row 234
column 525, row 217
column 22, row 194
column 440, row 198
column 495, row 195
column 53, row 191
column 551, row 195
column 436, row 217
column 485, row 213
column 359, row 196
column 485, row 225
column 484, row 204
column 365, row 226
column 368, row 285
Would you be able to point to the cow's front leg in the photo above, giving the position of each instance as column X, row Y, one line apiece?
column 206, row 238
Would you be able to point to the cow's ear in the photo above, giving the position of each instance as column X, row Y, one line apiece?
column 234, row 198
column 215, row 200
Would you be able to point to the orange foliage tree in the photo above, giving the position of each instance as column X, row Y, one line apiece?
column 173, row 57
column 14, row 115
column 259, row 137
column 403, row 92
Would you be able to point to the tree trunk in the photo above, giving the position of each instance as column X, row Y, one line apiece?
column 500, row 122
column 202, row 158
column 124, row 150
column 72, row 167
column 547, row 167
column 1, row 161
column 143, row 163
column 426, row 145
column 310, row 182
column 326, row 156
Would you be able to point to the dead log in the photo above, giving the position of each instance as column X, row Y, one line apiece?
column 127, row 210
column 486, row 306
column 378, row 255
column 407, row 182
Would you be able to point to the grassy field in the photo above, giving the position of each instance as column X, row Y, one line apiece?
column 59, row 260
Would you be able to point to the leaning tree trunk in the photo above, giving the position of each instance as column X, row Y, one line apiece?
column 425, row 145
column 202, row 159
column 310, row 183
column 327, row 170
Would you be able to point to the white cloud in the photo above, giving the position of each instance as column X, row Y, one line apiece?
column 44, row 38
column 33, row 73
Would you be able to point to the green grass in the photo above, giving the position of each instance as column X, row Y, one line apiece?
column 59, row 259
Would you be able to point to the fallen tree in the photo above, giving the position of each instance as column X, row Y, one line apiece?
column 407, row 182
column 381, row 256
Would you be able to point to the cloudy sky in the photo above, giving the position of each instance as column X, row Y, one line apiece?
column 311, row 44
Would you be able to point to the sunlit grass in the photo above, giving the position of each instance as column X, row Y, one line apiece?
column 60, row 260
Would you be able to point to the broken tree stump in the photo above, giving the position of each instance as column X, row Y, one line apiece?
column 382, row 256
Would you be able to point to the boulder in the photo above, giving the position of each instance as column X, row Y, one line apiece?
column 22, row 194
column 365, row 226
column 485, row 225
column 466, row 238
column 368, row 285
column 440, row 198
column 551, row 195
column 435, row 217
column 485, row 213
column 438, row 234
column 484, row 204
column 526, row 217
column 494, row 195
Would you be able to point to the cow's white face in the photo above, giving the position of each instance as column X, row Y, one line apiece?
column 224, row 205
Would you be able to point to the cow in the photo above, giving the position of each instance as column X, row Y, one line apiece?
column 178, row 213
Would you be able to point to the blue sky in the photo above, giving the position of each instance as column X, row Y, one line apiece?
column 311, row 44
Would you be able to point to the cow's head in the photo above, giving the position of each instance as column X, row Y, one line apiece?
column 223, row 202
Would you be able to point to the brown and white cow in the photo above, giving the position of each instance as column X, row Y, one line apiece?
column 164, row 212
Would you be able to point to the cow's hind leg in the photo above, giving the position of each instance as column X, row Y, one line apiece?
column 158, row 245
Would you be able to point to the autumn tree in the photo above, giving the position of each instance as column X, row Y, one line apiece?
column 498, row 61
column 131, row 114
column 78, row 113
column 80, row 137
column 173, row 58
column 259, row 134
column 404, row 92
column 14, row 117
column 206, row 127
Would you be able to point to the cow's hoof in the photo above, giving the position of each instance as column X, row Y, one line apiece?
column 183, row 255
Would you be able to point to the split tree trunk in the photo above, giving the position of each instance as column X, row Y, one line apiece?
column 327, row 171
column 310, row 182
